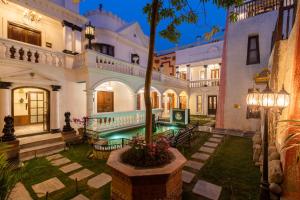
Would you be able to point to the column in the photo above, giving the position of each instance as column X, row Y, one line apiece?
column 178, row 102
column 205, row 75
column 135, row 101
column 54, row 109
column 90, row 102
column 5, row 102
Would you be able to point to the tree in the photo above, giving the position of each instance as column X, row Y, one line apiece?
column 176, row 12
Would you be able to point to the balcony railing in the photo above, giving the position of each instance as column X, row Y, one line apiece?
column 256, row 7
column 14, row 50
column 205, row 83
column 95, row 59
column 117, row 120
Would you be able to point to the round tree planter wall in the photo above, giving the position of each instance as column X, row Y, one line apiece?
column 130, row 183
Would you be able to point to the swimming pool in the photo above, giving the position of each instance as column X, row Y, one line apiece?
column 139, row 131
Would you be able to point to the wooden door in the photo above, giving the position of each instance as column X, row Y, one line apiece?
column 37, row 108
column 154, row 100
column 105, row 101
column 182, row 102
column 212, row 105
column 24, row 34
column 215, row 74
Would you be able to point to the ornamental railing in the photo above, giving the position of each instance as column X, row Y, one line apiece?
column 91, row 58
column 205, row 83
column 31, row 54
column 251, row 8
column 109, row 121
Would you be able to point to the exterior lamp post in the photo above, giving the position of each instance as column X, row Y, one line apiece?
column 267, row 99
column 89, row 34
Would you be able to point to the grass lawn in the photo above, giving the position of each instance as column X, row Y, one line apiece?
column 232, row 168
column 39, row 170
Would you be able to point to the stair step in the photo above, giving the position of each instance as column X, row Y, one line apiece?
column 39, row 140
column 41, row 150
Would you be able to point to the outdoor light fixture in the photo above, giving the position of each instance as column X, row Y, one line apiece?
column 267, row 100
column 283, row 98
column 253, row 97
column 89, row 33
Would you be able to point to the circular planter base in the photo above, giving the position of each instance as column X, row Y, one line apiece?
column 130, row 183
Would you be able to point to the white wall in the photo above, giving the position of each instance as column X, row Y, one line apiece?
column 239, row 75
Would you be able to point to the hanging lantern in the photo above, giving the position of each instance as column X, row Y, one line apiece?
column 268, row 98
column 253, row 97
column 283, row 98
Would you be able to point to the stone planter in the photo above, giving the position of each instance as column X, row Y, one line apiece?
column 12, row 150
column 130, row 183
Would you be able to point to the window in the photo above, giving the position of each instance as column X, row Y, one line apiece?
column 23, row 34
column 253, row 56
column 135, row 59
column 199, row 104
column 215, row 74
column 104, row 48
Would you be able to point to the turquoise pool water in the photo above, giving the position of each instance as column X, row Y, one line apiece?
column 128, row 134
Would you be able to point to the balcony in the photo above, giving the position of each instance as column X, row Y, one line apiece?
column 205, row 83
column 91, row 58
column 30, row 54
column 251, row 8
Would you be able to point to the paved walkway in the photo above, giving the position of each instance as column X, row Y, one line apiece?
column 198, row 160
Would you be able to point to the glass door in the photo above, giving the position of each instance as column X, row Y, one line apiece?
column 36, row 107
column 212, row 105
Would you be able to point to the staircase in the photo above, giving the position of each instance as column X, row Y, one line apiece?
column 40, row 145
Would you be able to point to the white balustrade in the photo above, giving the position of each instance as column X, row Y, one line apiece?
column 14, row 50
column 205, row 83
column 115, row 120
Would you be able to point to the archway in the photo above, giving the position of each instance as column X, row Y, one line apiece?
column 31, row 110
column 114, row 96
column 183, row 100
column 155, row 99
column 169, row 101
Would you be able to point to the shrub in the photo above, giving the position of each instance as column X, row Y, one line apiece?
column 141, row 155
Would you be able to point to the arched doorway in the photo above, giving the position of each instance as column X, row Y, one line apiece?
column 31, row 110
column 114, row 96
column 169, row 102
column 183, row 100
column 154, row 95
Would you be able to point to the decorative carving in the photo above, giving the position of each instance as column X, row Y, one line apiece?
column 21, row 53
column 56, row 87
column 5, row 85
column 29, row 54
column 67, row 127
column 36, row 56
column 8, row 129
column 12, row 51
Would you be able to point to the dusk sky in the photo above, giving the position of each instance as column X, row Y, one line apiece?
column 132, row 10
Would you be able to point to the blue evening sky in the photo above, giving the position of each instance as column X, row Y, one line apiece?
column 132, row 10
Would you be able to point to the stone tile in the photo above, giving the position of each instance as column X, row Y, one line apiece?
column 81, row 174
column 54, row 157
column 49, row 186
column 216, row 140
column 70, row 167
column 200, row 156
column 99, row 181
column 207, row 190
column 187, row 177
column 80, row 197
column 194, row 164
column 60, row 161
column 210, row 144
column 217, row 136
column 19, row 192
column 207, row 149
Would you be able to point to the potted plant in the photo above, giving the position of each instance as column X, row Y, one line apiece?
column 146, row 171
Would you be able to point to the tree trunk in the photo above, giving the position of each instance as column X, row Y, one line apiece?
column 148, row 78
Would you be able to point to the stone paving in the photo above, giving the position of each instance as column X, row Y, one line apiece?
column 99, row 181
column 80, row 197
column 70, row 167
column 60, row 161
column 19, row 192
column 82, row 174
column 49, row 186
column 203, row 188
column 54, row 157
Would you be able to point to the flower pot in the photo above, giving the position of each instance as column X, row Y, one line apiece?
column 131, row 183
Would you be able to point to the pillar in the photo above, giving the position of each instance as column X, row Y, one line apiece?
column 135, row 101
column 54, row 109
column 205, row 72
column 90, row 102
column 5, row 102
